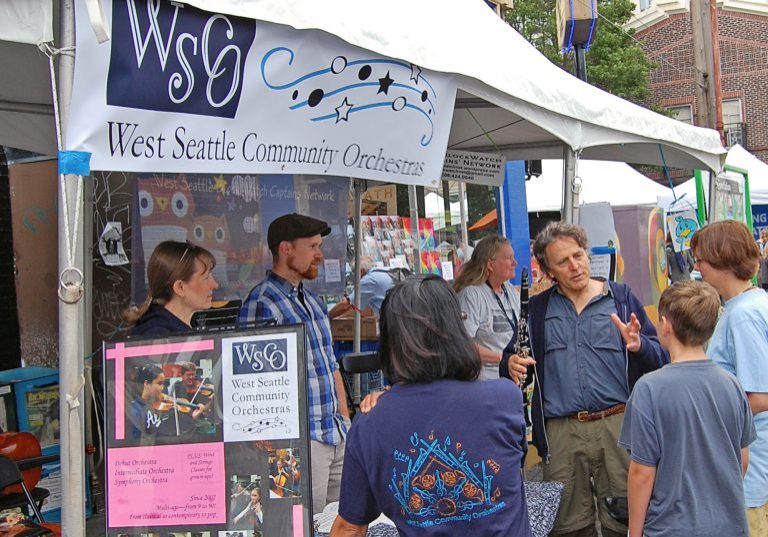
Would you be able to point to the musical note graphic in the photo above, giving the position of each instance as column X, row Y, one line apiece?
column 349, row 87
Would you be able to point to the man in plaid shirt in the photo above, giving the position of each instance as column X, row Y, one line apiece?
column 295, row 242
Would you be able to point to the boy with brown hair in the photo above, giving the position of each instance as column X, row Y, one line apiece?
column 687, row 427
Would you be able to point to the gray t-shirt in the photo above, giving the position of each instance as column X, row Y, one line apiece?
column 690, row 420
column 486, row 322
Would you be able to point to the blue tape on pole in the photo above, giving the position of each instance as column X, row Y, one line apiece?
column 74, row 163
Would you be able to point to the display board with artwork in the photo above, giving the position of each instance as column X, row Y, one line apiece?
column 389, row 242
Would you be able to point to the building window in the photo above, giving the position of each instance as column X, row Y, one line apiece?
column 731, row 111
column 682, row 113
column 644, row 4
column 734, row 129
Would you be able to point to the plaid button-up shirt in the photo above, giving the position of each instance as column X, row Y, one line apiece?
column 276, row 298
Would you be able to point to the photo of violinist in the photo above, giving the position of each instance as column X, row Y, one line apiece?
column 198, row 390
column 284, row 473
column 170, row 401
column 245, row 507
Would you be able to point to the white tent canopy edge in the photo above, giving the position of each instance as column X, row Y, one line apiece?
column 537, row 105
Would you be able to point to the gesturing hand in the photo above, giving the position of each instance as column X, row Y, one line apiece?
column 630, row 332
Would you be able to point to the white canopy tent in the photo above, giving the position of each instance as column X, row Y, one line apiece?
column 26, row 103
column 511, row 99
column 613, row 182
column 738, row 157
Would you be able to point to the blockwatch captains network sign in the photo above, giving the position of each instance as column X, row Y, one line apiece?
column 180, row 90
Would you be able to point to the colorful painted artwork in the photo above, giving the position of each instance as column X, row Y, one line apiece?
column 681, row 225
column 229, row 215
column 389, row 242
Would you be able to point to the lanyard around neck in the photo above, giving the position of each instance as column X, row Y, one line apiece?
column 510, row 319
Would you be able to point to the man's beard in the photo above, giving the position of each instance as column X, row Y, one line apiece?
column 310, row 273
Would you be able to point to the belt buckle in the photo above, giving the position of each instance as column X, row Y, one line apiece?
column 582, row 416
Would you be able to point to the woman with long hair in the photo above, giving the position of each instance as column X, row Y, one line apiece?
column 181, row 282
column 727, row 256
column 491, row 304
column 440, row 450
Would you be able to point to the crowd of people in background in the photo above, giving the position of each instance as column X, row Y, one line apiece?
column 670, row 416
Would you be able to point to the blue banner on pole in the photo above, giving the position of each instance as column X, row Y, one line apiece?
column 759, row 219
column 513, row 208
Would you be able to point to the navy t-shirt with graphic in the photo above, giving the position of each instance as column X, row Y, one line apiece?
column 441, row 458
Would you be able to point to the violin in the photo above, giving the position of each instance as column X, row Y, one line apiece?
column 203, row 389
column 206, row 390
column 169, row 404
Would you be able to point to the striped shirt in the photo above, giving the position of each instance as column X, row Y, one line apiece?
column 277, row 298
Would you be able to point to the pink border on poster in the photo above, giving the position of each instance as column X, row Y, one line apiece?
column 179, row 485
column 121, row 352
column 298, row 520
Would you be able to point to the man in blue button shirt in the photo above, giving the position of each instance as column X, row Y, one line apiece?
column 591, row 342
column 374, row 284
column 295, row 242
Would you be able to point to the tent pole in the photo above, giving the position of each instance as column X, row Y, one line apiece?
column 71, row 312
column 463, row 211
column 569, row 177
column 712, row 196
column 357, row 204
column 414, row 210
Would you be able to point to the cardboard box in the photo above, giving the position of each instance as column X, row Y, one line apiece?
column 343, row 328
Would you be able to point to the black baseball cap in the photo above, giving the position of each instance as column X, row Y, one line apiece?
column 294, row 226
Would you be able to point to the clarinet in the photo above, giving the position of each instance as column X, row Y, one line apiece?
column 523, row 341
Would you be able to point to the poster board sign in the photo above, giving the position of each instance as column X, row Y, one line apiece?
column 729, row 202
column 602, row 261
column 208, row 433
column 682, row 223
column 181, row 90
column 473, row 167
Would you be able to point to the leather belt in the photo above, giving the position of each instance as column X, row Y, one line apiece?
column 585, row 416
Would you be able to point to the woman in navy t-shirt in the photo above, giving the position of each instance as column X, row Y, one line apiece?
column 441, row 453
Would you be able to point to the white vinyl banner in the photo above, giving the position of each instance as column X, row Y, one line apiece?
column 179, row 90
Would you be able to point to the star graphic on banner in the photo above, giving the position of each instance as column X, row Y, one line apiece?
column 415, row 73
column 342, row 111
column 219, row 184
column 384, row 84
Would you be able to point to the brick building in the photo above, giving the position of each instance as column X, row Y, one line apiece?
column 664, row 28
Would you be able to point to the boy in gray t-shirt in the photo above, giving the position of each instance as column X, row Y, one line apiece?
column 687, row 427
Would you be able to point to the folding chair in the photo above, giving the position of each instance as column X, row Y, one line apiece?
column 357, row 363
column 11, row 475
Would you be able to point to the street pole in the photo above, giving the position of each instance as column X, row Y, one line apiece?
column 706, row 60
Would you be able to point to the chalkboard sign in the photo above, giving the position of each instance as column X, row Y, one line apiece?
column 207, row 435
